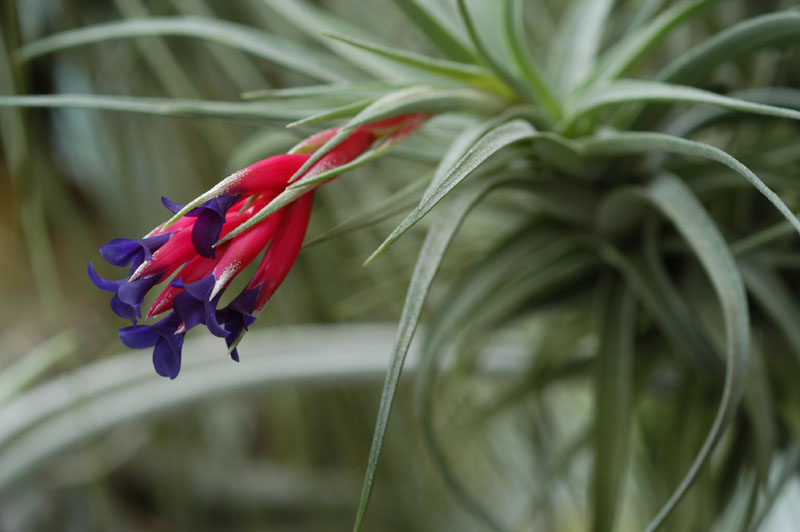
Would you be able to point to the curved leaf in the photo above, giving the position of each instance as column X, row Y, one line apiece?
column 487, row 58
column 379, row 149
column 641, row 142
column 418, row 99
column 731, row 43
column 622, row 56
column 438, row 238
column 391, row 205
column 161, row 106
column 532, row 270
column 492, row 142
column 315, row 21
column 613, row 403
column 670, row 196
column 258, row 43
column 346, row 110
column 436, row 30
column 575, row 49
column 343, row 91
column 687, row 123
column 525, row 63
column 774, row 296
column 626, row 91
column 462, row 72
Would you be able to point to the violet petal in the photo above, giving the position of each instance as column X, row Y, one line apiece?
column 166, row 360
column 189, row 309
column 202, row 288
column 171, row 206
column 205, row 233
column 124, row 310
column 133, row 292
column 139, row 336
column 120, row 251
column 210, row 219
column 100, row 282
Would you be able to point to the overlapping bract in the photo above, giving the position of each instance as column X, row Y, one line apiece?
column 199, row 266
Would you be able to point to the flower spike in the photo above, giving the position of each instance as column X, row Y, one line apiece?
column 212, row 239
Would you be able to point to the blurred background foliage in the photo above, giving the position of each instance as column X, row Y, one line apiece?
column 292, row 457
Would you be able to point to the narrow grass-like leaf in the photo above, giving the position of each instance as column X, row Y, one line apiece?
column 462, row 143
column 418, row 99
column 501, row 269
column 758, row 404
column 675, row 307
column 732, row 43
column 643, row 12
column 687, row 123
column 259, row 43
column 391, row 205
column 700, row 354
column 613, row 404
column 774, row 296
column 438, row 238
column 761, row 238
column 379, row 149
column 343, row 111
column 486, row 57
column 250, row 111
column 526, row 287
column 315, row 21
column 575, row 49
column 525, row 63
column 243, row 71
column 670, row 196
column 436, row 30
column 281, row 201
column 465, row 318
column 492, row 142
column 625, row 91
column 622, row 56
column 346, row 91
column 166, row 67
column 642, row 142
column 462, row 72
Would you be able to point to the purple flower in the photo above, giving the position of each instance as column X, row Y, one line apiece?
column 194, row 305
column 164, row 337
column 124, row 251
column 128, row 295
column 210, row 219
column 237, row 317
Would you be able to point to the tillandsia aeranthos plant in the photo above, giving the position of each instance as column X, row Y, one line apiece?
column 648, row 243
column 211, row 240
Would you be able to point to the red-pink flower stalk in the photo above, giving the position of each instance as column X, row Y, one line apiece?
column 209, row 245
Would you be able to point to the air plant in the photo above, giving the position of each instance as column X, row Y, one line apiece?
column 647, row 252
